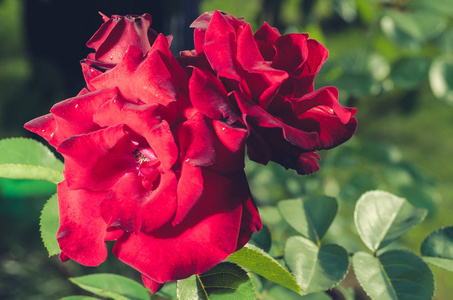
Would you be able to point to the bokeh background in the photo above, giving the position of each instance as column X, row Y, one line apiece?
column 392, row 59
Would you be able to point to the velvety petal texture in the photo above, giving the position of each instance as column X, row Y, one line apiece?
column 149, row 162
column 269, row 85
column 154, row 145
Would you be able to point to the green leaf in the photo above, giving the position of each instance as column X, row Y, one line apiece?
column 381, row 217
column 112, row 286
column 437, row 248
column 79, row 298
column 258, row 261
column 361, row 73
column 277, row 292
column 311, row 217
column 262, row 239
column 224, row 281
column 315, row 269
column 28, row 159
column 443, row 7
column 441, row 78
column 408, row 72
column 394, row 275
column 418, row 25
column 49, row 225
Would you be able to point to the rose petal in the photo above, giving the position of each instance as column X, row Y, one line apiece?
column 154, row 286
column 263, row 80
column 75, row 115
column 196, row 141
column 209, row 96
column 88, row 158
column 82, row 229
column 145, row 121
column 219, row 47
column 265, row 38
column 205, row 237
column 44, row 126
column 270, row 126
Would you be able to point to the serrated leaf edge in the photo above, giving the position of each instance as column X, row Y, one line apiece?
column 56, row 177
column 40, row 227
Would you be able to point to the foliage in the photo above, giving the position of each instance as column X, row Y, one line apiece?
column 386, row 56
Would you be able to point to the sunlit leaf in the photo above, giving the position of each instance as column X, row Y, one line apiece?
column 112, row 286
column 311, row 217
column 441, row 78
column 22, row 158
column 315, row 269
column 224, row 281
column 258, row 261
column 394, row 275
column 381, row 217
column 437, row 248
column 49, row 225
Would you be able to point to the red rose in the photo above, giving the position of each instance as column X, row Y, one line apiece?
column 143, row 166
column 266, row 81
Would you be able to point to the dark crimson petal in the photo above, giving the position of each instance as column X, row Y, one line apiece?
column 145, row 121
column 206, row 237
column 250, row 222
column 89, row 73
column 229, row 143
column 262, row 120
column 327, row 96
column 202, row 22
column 153, row 80
column 196, row 141
column 82, row 229
column 190, row 190
column 122, row 207
column 44, row 126
column 291, row 52
column 89, row 157
column 75, row 115
column 257, row 148
column 121, row 75
column 332, row 132
column 307, row 163
column 154, row 286
column 198, row 39
column 220, row 47
column 160, row 207
column 265, row 38
column 133, row 208
column 116, row 35
column 208, row 95
column 317, row 55
column 301, row 81
column 263, row 80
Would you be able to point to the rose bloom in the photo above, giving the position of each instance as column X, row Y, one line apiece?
column 265, row 80
column 143, row 166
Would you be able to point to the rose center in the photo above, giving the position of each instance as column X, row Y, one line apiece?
column 148, row 167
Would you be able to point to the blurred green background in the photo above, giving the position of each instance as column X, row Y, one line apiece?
column 392, row 59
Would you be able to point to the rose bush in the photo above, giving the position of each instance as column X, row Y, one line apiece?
column 266, row 80
column 143, row 166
